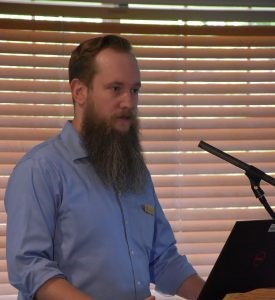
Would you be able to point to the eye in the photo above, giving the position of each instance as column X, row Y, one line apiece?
column 134, row 91
column 116, row 89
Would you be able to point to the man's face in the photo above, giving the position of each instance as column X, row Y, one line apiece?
column 110, row 129
column 113, row 93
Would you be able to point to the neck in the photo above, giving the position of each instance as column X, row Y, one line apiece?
column 76, row 124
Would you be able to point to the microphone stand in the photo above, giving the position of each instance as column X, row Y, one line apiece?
column 254, row 175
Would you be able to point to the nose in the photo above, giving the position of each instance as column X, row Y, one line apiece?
column 128, row 101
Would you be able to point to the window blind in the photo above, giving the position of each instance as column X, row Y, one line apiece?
column 207, row 74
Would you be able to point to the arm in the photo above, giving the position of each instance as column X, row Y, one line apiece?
column 31, row 204
column 168, row 269
column 59, row 289
column 191, row 287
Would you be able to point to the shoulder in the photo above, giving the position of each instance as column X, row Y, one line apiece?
column 43, row 155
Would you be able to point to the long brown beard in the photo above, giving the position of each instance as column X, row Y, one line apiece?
column 116, row 157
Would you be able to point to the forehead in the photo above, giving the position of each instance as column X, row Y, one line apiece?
column 111, row 63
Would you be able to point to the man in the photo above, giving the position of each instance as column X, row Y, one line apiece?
column 83, row 218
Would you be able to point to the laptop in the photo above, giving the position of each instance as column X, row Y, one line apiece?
column 246, row 262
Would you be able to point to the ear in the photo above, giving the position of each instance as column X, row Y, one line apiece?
column 79, row 91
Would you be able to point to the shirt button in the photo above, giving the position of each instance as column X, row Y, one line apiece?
column 132, row 252
column 126, row 222
column 138, row 283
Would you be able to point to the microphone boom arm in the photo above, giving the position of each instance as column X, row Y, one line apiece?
column 254, row 174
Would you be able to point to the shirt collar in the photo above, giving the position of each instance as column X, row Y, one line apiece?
column 72, row 140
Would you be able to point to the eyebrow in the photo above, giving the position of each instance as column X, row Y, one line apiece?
column 137, row 84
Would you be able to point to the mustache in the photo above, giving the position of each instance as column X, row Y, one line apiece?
column 125, row 114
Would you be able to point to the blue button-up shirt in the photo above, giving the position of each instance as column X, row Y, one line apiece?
column 64, row 222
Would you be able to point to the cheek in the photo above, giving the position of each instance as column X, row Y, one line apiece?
column 106, row 108
column 102, row 106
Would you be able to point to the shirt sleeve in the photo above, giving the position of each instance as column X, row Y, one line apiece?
column 31, row 201
column 168, row 269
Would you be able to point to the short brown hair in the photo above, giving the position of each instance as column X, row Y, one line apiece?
column 82, row 61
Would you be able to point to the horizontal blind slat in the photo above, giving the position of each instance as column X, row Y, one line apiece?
column 124, row 13
column 153, row 134
column 180, row 168
column 148, row 123
column 143, row 111
column 145, row 99
column 169, row 52
column 195, row 160
column 248, row 30
column 174, row 146
column 6, row 290
column 205, row 191
column 211, row 88
column 157, row 75
column 147, row 64
column 167, row 147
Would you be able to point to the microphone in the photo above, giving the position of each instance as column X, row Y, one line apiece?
column 254, row 175
column 250, row 170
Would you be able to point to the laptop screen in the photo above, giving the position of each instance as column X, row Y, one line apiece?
column 246, row 262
